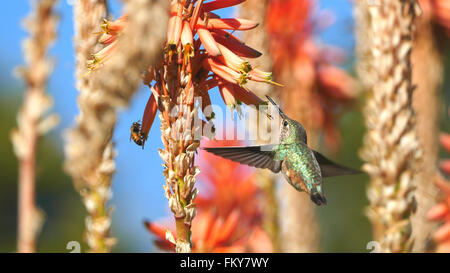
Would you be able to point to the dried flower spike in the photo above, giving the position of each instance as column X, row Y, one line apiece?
column 32, row 123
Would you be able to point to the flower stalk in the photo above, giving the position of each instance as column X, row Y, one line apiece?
column 227, row 220
column 391, row 149
column 89, row 149
column 32, row 123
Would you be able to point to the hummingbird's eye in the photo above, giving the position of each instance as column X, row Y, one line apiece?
column 285, row 123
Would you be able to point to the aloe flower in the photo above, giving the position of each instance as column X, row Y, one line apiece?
column 110, row 31
column 221, row 178
column 223, row 53
column 212, row 233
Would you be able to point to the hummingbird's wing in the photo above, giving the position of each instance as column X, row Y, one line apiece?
column 256, row 156
column 329, row 168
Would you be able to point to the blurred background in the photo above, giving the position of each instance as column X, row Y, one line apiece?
column 137, row 186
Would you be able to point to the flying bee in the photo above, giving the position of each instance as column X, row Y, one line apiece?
column 136, row 134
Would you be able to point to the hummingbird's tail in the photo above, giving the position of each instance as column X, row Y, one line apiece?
column 318, row 197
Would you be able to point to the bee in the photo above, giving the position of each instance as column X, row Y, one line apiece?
column 136, row 134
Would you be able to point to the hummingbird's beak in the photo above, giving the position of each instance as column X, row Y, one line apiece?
column 279, row 109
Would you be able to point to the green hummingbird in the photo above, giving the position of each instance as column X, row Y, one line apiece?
column 302, row 167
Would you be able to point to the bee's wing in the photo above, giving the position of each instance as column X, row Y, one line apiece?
column 255, row 156
column 328, row 168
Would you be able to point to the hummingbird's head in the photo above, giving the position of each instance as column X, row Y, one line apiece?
column 290, row 130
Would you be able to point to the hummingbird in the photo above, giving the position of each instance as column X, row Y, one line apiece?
column 302, row 167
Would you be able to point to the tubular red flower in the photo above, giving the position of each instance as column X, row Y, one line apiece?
column 234, row 44
column 160, row 232
column 231, row 24
column 175, row 25
column 261, row 76
column 203, row 225
column 196, row 14
column 445, row 141
column 247, row 97
column 226, row 91
column 223, row 230
column 443, row 233
column 171, row 25
column 232, row 60
column 445, row 166
column 444, row 186
column 219, row 4
column 224, row 72
column 114, row 27
column 229, row 226
column 101, row 57
column 210, row 15
column 149, row 115
column 438, row 212
column 178, row 22
column 207, row 39
column 187, row 42
column 186, row 35
column 155, row 229
column 107, row 38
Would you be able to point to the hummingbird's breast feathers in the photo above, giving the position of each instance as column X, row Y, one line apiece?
column 299, row 160
column 302, row 170
column 294, row 179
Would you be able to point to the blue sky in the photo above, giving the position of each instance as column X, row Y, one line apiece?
column 138, row 183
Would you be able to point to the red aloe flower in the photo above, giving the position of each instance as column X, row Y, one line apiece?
column 210, row 233
column 441, row 212
column 221, row 58
column 228, row 185
column 110, row 31
column 296, row 57
column 103, row 55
